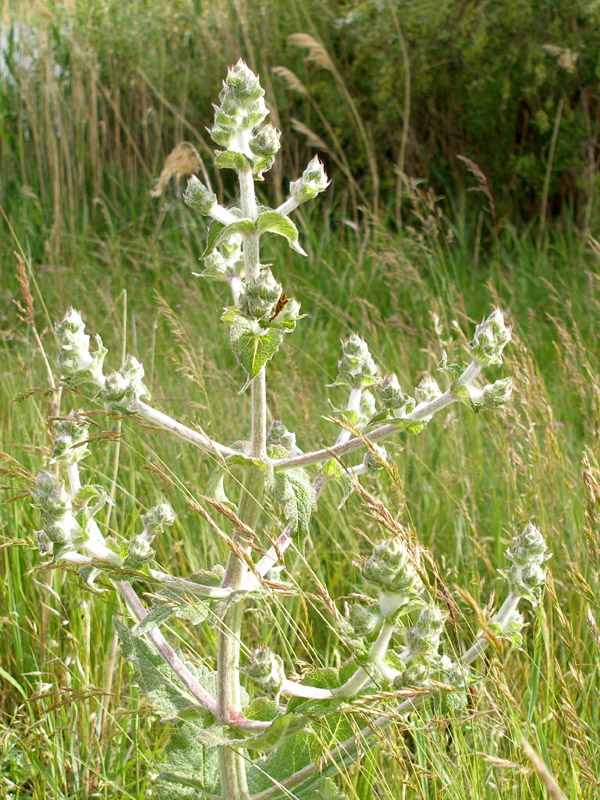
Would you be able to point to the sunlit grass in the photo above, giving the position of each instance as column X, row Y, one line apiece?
column 73, row 725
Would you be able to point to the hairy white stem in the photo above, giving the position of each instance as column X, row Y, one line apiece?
column 356, row 682
column 222, row 214
column 232, row 767
column 235, row 284
column 422, row 411
column 291, row 204
column 196, row 438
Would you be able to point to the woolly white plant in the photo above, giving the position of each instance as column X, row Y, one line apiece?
column 225, row 745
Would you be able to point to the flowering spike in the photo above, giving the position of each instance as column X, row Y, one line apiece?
column 70, row 441
column 313, row 181
column 490, row 339
column 527, row 573
column 198, row 196
column 75, row 361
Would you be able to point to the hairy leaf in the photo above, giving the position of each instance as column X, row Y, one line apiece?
column 253, row 350
column 273, row 222
column 293, row 492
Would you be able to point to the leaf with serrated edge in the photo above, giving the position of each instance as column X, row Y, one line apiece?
column 293, row 492
column 252, row 351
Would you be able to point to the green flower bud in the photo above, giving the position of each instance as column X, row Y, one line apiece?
column 139, row 553
column 260, row 297
column 367, row 406
column 391, row 396
column 157, row 519
column 49, row 494
column 365, row 621
column 427, row 391
column 123, row 388
column 356, row 367
column 115, row 388
column 371, row 462
column 313, row 182
column 491, row 337
column 455, row 673
column 225, row 262
column 418, row 673
column 75, row 361
column 242, row 108
column 58, row 522
column 266, row 141
column 265, row 668
column 198, row 196
column 527, row 573
column 45, row 546
column 497, row 394
column 424, row 637
column 279, row 435
column 70, row 442
column 390, row 570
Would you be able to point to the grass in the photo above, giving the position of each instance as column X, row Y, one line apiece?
column 466, row 484
column 71, row 723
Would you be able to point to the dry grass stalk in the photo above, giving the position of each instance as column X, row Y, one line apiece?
column 183, row 160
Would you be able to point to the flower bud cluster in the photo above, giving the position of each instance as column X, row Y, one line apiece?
column 374, row 462
column 259, row 299
column 427, row 391
column 491, row 337
column 392, row 397
column 224, row 262
column 70, row 441
column 278, row 435
column 140, row 550
column 527, row 573
column 242, row 107
column 198, row 196
column 423, row 638
column 364, row 621
column 494, row 395
column 313, row 181
column 76, row 363
column 265, row 668
column 390, row 570
column 356, row 367
column 59, row 526
column 123, row 388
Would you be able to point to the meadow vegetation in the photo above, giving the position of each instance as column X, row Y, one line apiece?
column 87, row 122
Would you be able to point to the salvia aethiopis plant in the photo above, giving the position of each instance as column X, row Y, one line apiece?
column 244, row 729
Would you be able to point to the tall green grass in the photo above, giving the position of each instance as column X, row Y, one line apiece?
column 72, row 723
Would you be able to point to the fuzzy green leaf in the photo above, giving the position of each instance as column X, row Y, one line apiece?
column 293, row 492
column 251, row 350
column 229, row 159
column 241, row 226
column 273, row 222
column 329, row 791
column 189, row 769
column 214, row 230
column 158, row 613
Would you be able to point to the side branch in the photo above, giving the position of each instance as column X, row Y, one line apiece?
column 421, row 412
column 196, row 438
